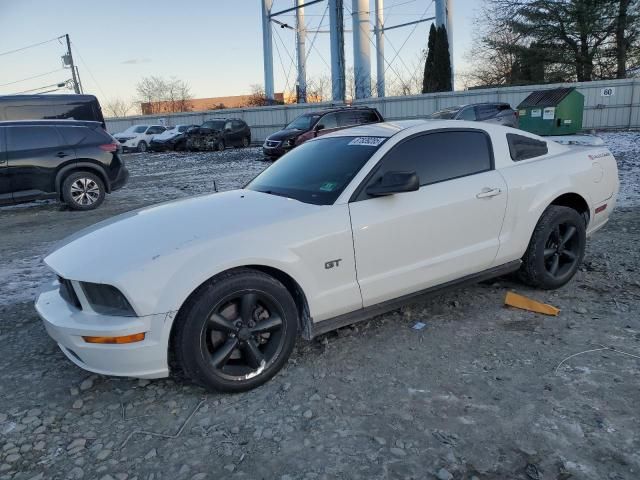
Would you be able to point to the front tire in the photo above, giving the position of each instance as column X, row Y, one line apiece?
column 556, row 248
column 220, row 146
column 142, row 147
column 237, row 332
column 83, row 191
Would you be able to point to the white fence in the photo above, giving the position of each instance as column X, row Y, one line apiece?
column 609, row 104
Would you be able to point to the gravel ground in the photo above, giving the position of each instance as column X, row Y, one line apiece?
column 481, row 392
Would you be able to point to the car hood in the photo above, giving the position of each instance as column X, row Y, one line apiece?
column 285, row 135
column 165, row 136
column 138, row 240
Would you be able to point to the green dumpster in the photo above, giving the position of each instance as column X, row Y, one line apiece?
column 552, row 112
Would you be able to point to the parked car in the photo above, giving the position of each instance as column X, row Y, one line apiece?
column 219, row 134
column 228, row 281
column 174, row 138
column 75, row 162
column 500, row 113
column 311, row 125
column 138, row 137
column 51, row 107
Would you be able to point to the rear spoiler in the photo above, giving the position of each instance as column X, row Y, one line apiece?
column 584, row 140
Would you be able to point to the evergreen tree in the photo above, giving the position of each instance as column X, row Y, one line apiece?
column 428, row 79
column 442, row 62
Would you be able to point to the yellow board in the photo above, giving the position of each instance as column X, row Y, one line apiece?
column 524, row 303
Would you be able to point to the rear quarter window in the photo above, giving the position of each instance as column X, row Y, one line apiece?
column 524, row 148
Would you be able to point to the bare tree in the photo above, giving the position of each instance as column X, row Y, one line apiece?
column 117, row 107
column 319, row 89
column 156, row 95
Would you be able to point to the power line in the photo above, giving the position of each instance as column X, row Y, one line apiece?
column 31, row 78
column 28, row 46
column 73, row 45
column 46, row 86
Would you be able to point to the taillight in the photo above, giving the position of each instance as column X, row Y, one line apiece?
column 109, row 147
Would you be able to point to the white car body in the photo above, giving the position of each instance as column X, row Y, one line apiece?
column 158, row 256
column 170, row 133
column 131, row 138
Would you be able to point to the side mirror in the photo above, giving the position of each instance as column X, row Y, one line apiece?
column 394, row 182
column 318, row 127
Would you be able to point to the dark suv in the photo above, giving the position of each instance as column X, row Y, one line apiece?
column 313, row 124
column 219, row 134
column 73, row 161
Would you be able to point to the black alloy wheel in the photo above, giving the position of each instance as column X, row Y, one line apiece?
column 556, row 248
column 237, row 331
column 561, row 250
column 243, row 334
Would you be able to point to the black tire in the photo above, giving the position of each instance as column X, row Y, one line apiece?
column 556, row 248
column 215, row 343
column 220, row 146
column 83, row 190
column 142, row 147
column 246, row 142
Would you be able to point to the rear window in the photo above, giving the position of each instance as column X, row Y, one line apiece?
column 524, row 148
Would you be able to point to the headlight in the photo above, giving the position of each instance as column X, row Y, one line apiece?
column 291, row 142
column 107, row 300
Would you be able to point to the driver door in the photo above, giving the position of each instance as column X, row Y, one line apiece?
column 447, row 229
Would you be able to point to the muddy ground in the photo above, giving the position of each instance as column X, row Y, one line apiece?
column 481, row 391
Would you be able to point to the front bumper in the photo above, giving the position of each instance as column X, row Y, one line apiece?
column 274, row 152
column 67, row 324
column 161, row 146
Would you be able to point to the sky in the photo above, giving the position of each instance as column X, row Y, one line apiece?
column 214, row 45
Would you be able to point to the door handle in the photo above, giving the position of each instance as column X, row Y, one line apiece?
column 61, row 155
column 489, row 192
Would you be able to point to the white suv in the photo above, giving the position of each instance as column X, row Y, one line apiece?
column 138, row 137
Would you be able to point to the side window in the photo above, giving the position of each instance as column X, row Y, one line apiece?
column 523, row 148
column 484, row 112
column 154, row 130
column 440, row 156
column 73, row 135
column 346, row 119
column 227, row 126
column 238, row 125
column 32, row 138
column 368, row 116
column 468, row 113
column 329, row 121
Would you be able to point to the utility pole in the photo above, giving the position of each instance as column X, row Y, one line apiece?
column 379, row 30
column 69, row 60
column 361, row 49
column 302, row 53
column 336, row 35
column 267, row 50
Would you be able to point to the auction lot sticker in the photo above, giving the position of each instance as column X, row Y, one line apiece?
column 367, row 141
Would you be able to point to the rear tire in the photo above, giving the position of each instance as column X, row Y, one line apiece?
column 236, row 332
column 556, row 248
column 246, row 141
column 83, row 191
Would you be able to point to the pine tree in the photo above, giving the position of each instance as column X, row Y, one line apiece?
column 428, row 79
column 442, row 62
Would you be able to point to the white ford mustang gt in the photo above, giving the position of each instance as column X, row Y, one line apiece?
column 342, row 228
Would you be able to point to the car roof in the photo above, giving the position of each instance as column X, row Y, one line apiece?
column 382, row 129
column 58, row 122
column 48, row 98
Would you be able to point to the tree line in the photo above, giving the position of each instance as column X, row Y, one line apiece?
column 519, row 42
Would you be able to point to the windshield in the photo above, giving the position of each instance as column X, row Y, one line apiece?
column 447, row 114
column 317, row 171
column 136, row 129
column 214, row 125
column 303, row 122
column 183, row 128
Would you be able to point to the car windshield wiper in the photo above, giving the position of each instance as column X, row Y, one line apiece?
column 278, row 194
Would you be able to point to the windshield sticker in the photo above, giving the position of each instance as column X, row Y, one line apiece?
column 328, row 186
column 367, row 141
